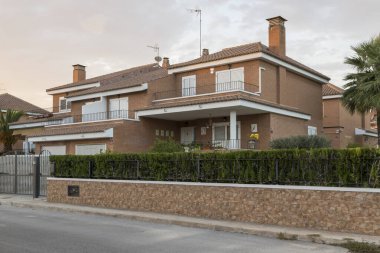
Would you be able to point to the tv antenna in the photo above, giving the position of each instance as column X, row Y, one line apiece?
column 156, row 49
column 198, row 11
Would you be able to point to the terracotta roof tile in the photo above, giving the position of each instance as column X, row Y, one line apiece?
column 8, row 101
column 329, row 89
column 218, row 98
column 130, row 81
column 78, row 129
column 112, row 77
column 244, row 50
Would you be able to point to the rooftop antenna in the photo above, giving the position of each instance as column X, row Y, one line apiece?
column 2, row 89
column 156, row 48
column 198, row 11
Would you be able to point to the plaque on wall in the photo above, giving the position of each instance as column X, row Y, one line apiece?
column 73, row 190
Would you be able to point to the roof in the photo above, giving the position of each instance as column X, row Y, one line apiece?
column 146, row 75
column 49, row 118
column 217, row 98
column 330, row 89
column 244, row 50
column 79, row 129
column 116, row 80
column 8, row 101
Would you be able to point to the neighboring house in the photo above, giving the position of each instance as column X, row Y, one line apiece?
column 8, row 101
column 215, row 101
column 342, row 127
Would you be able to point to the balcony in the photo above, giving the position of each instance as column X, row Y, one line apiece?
column 219, row 145
column 200, row 89
column 60, row 119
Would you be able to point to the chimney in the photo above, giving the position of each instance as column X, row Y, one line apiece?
column 276, row 34
column 79, row 73
column 165, row 63
column 205, row 51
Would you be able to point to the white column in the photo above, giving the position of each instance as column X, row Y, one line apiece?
column 233, row 136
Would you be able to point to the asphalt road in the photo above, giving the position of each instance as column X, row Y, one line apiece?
column 28, row 230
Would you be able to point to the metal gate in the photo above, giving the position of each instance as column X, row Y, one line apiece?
column 24, row 174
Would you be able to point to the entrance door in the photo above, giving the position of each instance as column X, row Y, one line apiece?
column 187, row 135
column 221, row 135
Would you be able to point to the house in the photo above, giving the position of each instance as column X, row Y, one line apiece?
column 8, row 101
column 343, row 128
column 241, row 97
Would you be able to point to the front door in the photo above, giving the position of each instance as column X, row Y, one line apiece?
column 221, row 135
column 187, row 135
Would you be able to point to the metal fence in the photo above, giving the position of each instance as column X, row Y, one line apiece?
column 24, row 174
column 363, row 172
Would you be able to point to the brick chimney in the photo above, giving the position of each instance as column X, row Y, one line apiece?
column 165, row 63
column 205, row 51
column 79, row 73
column 277, row 34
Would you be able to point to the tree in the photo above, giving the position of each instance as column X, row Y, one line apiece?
column 362, row 91
column 6, row 134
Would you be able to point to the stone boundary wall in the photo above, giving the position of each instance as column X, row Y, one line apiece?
column 355, row 210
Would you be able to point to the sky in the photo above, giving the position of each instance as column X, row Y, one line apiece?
column 40, row 40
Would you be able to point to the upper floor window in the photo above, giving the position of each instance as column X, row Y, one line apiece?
column 118, row 108
column 231, row 79
column 64, row 105
column 189, row 86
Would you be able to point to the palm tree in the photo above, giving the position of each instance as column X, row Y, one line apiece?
column 6, row 134
column 362, row 91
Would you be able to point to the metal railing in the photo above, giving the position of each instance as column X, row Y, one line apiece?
column 215, row 144
column 116, row 114
column 206, row 89
column 315, row 171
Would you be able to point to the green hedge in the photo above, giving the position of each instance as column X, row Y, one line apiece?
column 325, row 167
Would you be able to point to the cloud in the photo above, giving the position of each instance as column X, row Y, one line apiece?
column 95, row 24
column 39, row 46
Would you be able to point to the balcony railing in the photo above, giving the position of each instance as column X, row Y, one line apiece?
column 200, row 89
column 117, row 114
column 219, row 144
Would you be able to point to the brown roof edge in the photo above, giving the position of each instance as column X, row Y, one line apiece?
column 99, row 78
column 212, row 99
column 245, row 49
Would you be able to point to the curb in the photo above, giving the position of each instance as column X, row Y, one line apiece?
column 284, row 233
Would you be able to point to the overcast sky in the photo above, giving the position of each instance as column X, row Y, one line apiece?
column 41, row 39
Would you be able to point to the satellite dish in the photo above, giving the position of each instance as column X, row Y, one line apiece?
column 158, row 58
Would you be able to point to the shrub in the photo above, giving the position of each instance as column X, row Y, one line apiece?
column 323, row 167
column 353, row 145
column 301, row 142
column 166, row 146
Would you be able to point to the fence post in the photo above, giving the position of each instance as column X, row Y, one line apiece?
column 36, row 177
column 15, row 185
column 90, row 169
column 138, row 169
column 198, row 169
column 276, row 167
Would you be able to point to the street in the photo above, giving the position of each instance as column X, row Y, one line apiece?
column 31, row 230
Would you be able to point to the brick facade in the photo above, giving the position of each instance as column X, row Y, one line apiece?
column 339, row 125
column 333, row 209
column 280, row 95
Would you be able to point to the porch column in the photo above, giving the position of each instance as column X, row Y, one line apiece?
column 233, row 137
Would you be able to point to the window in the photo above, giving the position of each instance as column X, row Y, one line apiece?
column 260, row 78
column 231, row 79
column 64, row 105
column 221, row 135
column 311, row 130
column 189, row 84
column 118, row 108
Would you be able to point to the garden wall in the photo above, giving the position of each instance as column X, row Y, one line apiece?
column 326, row 208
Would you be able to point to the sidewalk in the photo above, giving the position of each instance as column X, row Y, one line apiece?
column 317, row 236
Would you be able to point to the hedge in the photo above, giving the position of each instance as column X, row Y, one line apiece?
column 323, row 167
